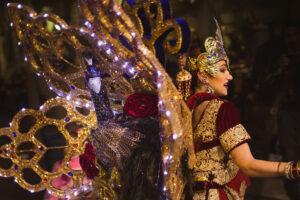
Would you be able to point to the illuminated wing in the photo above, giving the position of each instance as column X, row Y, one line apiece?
column 116, row 46
column 27, row 149
column 56, row 52
column 126, row 54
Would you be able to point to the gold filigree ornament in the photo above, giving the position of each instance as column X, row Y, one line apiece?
column 109, row 22
column 153, row 10
column 119, row 52
column 58, row 52
column 26, row 148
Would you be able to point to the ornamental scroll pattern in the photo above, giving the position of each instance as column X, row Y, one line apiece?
column 27, row 149
column 58, row 55
column 119, row 52
column 153, row 21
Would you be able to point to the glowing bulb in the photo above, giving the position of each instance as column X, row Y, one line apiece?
column 57, row 27
column 100, row 43
column 175, row 136
column 165, row 188
column 168, row 113
column 41, row 107
column 85, row 188
column 25, row 59
column 76, row 193
column 125, row 65
column 63, row 26
column 93, row 34
column 45, row 15
column 108, row 51
column 132, row 34
column 10, row 124
column 19, row 43
column 38, row 74
column 8, row 4
column 31, row 15
column 51, row 88
column 131, row 70
column 165, row 173
column 160, row 102
column 118, row 13
column 116, row 58
column 31, row 191
column 158, row 73
column 159, row 85
column 23, row 109
column 11, row 24
column 19, row 6
column 86, row 23
column 68, row 97
column 81, row 30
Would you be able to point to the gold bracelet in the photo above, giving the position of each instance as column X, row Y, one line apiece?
column 287, row 170
column 278, row 168
column 291, row 170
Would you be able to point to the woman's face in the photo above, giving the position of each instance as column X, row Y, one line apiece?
column 220, row 83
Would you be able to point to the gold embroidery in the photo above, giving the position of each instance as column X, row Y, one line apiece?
column 231, row 193
column 206, row 128
column 243, row 189
column 233, row 136
column 215, row 162
column 213, row 194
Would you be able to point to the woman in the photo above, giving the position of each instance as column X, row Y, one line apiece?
column 223, row 157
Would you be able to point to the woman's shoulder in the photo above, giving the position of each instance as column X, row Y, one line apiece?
column 198, row 98
column 228, row 116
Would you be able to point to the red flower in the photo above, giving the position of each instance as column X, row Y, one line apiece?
column 140, row 105
column 87, row 161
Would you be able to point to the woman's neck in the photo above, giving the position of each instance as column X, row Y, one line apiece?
column 200, row 89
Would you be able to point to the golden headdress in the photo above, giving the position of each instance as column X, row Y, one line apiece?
column 215, row 52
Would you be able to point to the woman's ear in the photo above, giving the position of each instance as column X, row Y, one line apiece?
column 202, row 77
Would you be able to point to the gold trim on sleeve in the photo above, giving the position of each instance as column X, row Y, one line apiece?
column 233, row 137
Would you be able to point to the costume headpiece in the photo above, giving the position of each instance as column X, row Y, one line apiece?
column 215, row 52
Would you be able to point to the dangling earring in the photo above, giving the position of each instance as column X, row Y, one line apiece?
column 208, row 89
column 184, row 79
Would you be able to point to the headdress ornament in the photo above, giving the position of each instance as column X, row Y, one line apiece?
column 215, row 52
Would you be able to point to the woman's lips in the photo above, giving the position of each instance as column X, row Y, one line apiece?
column 226, row 85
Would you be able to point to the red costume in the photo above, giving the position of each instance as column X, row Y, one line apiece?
column 218, row 132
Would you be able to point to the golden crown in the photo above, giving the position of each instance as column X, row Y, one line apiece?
column 215, row 52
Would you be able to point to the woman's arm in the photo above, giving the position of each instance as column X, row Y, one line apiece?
column 252, row 167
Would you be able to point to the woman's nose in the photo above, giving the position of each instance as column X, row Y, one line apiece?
column 230, row 77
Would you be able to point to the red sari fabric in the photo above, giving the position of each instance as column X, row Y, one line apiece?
column 228, row 117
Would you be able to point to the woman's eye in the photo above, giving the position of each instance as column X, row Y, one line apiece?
column 222, row 70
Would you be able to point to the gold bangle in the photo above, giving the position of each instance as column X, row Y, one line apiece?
column 287, row 170
column 291, row 171
column 278, row 168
